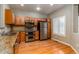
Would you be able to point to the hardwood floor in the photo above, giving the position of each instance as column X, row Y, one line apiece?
column 43, row 47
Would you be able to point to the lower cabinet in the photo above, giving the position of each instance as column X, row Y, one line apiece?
column 21, row 37
column 37, row 35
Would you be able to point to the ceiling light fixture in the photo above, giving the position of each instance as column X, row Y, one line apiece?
column 22, row 5
column 38, row 8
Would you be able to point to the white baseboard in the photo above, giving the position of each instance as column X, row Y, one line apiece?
column 66, row 44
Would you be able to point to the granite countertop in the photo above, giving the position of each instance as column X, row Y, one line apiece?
column 7, row 43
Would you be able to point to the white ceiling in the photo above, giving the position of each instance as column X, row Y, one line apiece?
column 45, row 8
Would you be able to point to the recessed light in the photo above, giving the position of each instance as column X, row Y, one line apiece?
column 22, row 5
column 38, row 8
column 51, row 4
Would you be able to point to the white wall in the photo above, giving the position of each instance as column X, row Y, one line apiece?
column 33, row 14
column 75, row 22
column 1, row 16
column 69, row 12
column 75, row 18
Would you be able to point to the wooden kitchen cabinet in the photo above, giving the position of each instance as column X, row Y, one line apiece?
column 49, row 27
column 8, row 17
column 21, row 37
column 19, row 20
column 36, row 35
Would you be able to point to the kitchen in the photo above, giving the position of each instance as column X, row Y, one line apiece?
column 15, row 24
column 23, row 24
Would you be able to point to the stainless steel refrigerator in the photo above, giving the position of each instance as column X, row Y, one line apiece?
column 43, row 30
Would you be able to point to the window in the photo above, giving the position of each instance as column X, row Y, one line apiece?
column 59, row 25
column 55, row 25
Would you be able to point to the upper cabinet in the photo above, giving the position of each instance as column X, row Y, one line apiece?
column 9, row 17
column 19, row 20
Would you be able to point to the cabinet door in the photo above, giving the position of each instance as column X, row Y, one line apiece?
column 8, row 17
column 22, row 36
column 22, row 20
column 19, row 20
column 37, row 35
